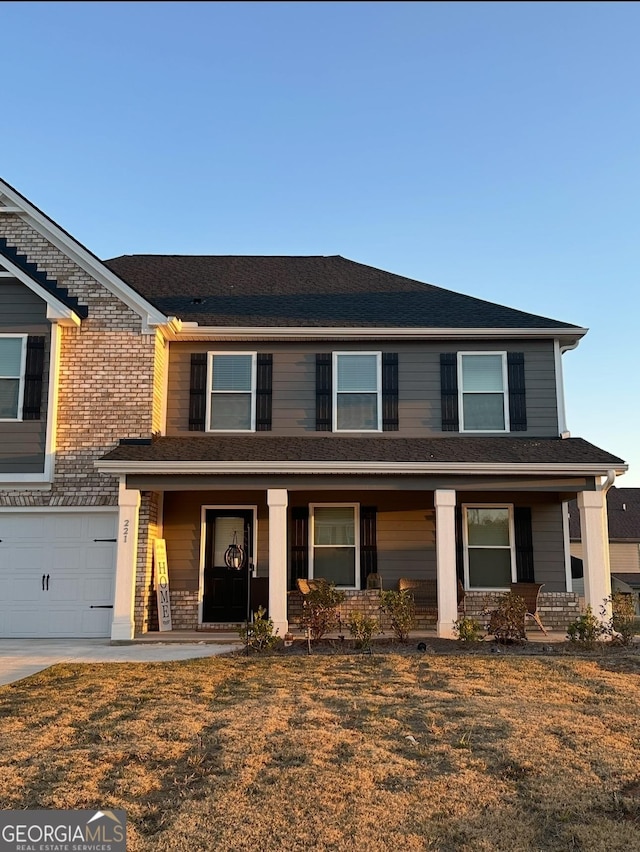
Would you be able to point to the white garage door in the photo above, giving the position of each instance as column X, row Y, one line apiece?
column 57, row 572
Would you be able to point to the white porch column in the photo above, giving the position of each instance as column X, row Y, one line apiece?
column 445, row 503
column 278, row 500
column 595, row 550
column 122, row 627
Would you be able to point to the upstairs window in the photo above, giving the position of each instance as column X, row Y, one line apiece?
column 13, row 348
column 232, row 397
column 357, row 391
column 483, row 397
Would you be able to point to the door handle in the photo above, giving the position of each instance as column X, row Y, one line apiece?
column 101, row 606
column 43, row 582
column 47, row 582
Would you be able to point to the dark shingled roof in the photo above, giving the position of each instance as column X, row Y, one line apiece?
column 268, row 448
column 310, row 292
column 623, row 513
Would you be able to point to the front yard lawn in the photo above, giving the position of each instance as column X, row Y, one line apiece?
column 345, row 752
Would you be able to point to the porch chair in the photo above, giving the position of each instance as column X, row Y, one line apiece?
column 530, row 593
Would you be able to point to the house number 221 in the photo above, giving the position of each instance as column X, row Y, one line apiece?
column 125, row 531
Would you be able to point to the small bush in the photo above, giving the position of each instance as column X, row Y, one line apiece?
column 621, row 627
column 259, row 634
column 320, row 610
column 468, row 630
column 401, row 609
column 363, row 627
column 506, row 621
column 586, row 629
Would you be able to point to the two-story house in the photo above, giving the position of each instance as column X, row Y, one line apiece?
column 330, row 418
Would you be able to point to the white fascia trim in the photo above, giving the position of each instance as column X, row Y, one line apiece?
column 57, row 311
column 187, row 331
column 151, row 316
column 244, row 467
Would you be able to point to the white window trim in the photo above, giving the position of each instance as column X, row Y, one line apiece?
column 505, row 393
column 210, row 393
column 334, row 384
column 23, row 365
column 465, row 545
column 356, row 538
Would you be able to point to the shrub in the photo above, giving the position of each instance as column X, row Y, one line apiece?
column 401, row 609
column 621, row 626
column 259, row 634
column 586, row 629
column 468, row 630
column 506, row 621
column 362, row 627
column 320, row 610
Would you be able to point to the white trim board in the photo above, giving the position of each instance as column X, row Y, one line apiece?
column 92, row 265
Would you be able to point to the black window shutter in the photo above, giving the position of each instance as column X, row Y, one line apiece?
column 517, row 395
column 299, row 544
column 323, row 393
column 449, row 391
column 368, row 544
column 198, row 392
column 263, row 393
column 389, row 392
column 34, row 369
column 524, row 544
column 459, row 545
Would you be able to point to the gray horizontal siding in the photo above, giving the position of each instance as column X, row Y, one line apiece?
column 22, row 445
column 294, row 397
column 548, row 547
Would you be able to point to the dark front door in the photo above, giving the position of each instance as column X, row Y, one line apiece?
column 225, row 589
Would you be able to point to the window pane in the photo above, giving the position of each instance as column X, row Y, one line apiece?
column 357, row 373
column 357, row 411
column 335, row 564
column 488, row 527
column 231, row 411
column 232, row 372
column 224, row 529
column 9, row 398
column 489, row 569
column 482, row 373
column 10, row 356
column 334, row 525
column 483, row 411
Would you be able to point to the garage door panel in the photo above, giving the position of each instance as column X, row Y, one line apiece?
column 81, row 573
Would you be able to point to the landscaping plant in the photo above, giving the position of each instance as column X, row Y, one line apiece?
column 320, row 610
column 401, row 610
column 506, row 621
column 363, row 627
column 259, row 634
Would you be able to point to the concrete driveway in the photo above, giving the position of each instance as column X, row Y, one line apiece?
column 20, row 658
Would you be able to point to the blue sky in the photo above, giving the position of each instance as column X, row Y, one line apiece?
column 489, row 148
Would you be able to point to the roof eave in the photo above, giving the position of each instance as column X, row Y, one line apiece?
column 192, row 331
column 121, row 467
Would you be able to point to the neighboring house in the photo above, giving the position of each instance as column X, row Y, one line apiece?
column 623, row 514
column 335, row 419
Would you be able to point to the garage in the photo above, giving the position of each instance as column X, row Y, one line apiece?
column 57, row 573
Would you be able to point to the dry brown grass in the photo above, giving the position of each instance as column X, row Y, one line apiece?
column 344, row 752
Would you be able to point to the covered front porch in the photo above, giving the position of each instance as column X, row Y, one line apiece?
column 484, row 532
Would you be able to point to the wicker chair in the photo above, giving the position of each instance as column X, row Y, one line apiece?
column 530, row 593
